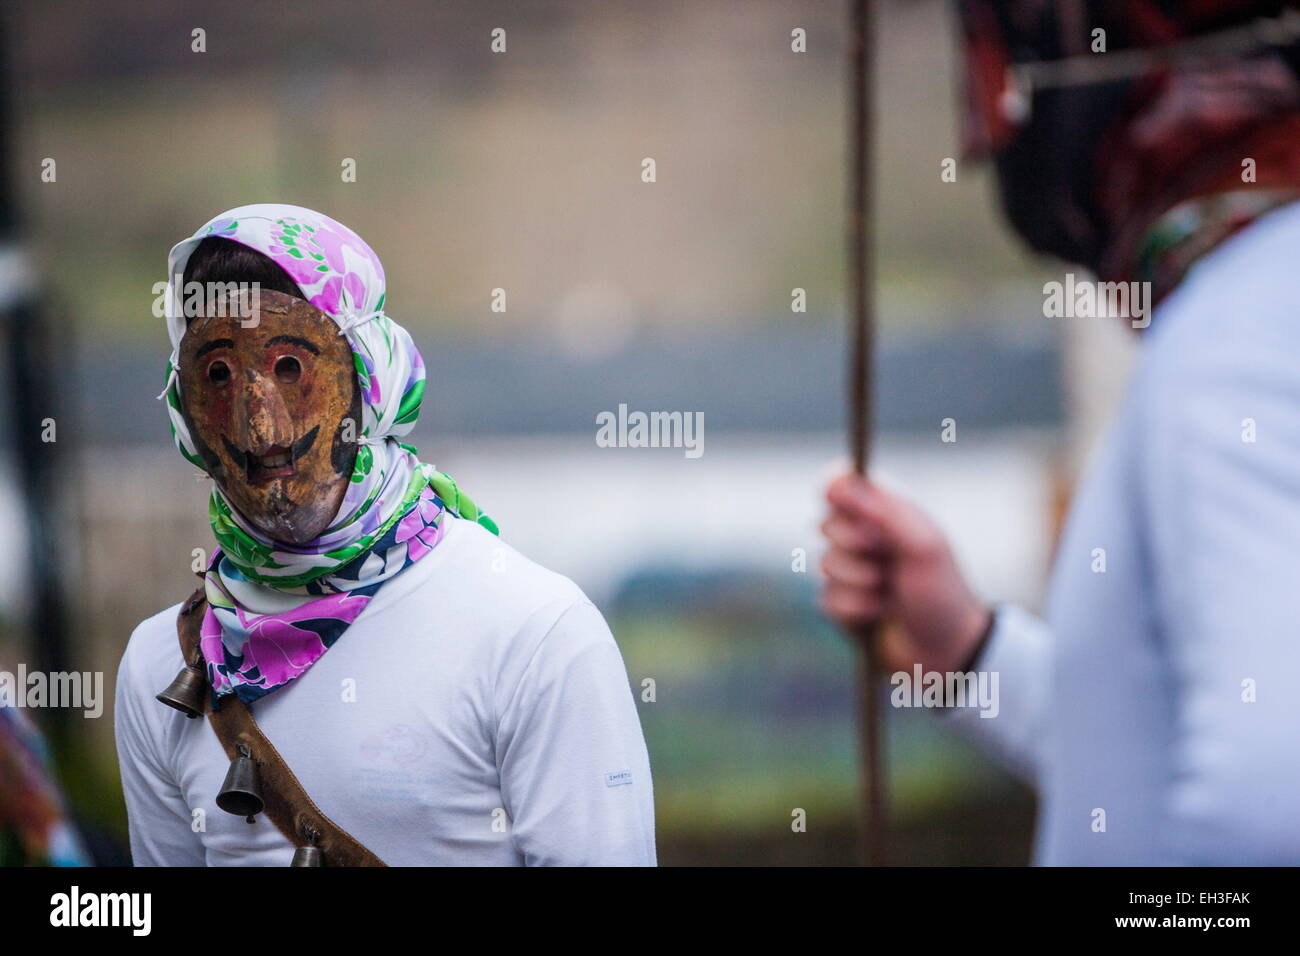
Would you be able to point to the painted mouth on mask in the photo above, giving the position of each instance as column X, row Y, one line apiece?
column 277, row 462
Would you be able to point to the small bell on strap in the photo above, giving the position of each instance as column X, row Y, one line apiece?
column 309, row 855
column 188, row 691
column 241, row 794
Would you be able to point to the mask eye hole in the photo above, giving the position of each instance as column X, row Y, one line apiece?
column 219, row 372
column 287, row 369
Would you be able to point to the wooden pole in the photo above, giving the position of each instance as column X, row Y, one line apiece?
column 862, row 327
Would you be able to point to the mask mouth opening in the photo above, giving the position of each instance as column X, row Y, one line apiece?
column 276, row 462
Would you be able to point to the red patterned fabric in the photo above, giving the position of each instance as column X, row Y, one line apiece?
column 1090, row 169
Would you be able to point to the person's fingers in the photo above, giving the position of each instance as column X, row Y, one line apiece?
column 852, row 606
column 845, row 486
column 852, row 569
column 898, row 523
column 851, row 534
column 852, row 497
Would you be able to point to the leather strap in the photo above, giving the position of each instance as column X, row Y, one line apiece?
column 287, row 804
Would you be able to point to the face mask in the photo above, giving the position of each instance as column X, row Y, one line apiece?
column 272, row 403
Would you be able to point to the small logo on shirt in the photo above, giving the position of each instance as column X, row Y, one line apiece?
column 619, row 778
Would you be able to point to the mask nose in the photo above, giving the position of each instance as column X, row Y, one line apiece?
column 263, row 420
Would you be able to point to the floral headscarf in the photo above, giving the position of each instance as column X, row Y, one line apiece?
column 275, row 607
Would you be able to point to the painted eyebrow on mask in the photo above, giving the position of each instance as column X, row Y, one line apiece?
column 293, row 340
column 214, row 344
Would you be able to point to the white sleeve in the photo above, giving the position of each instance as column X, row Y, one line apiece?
column 157, row 816
column 1018, row 651
column 1223, row 506
column 575, row 776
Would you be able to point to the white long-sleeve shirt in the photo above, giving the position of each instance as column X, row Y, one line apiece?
column 1160, row 697
column 477, row 713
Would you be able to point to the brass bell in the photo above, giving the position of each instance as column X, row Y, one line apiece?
column 241, row 794
column 186, row 693
column 308, row 856
column 311, row 854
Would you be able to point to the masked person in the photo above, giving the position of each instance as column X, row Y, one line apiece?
column 1154, row 705
column 438, row 696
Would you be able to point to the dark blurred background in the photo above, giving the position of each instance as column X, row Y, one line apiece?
column 521, row 171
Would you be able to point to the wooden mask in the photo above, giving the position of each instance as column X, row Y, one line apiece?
column 273, row 405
